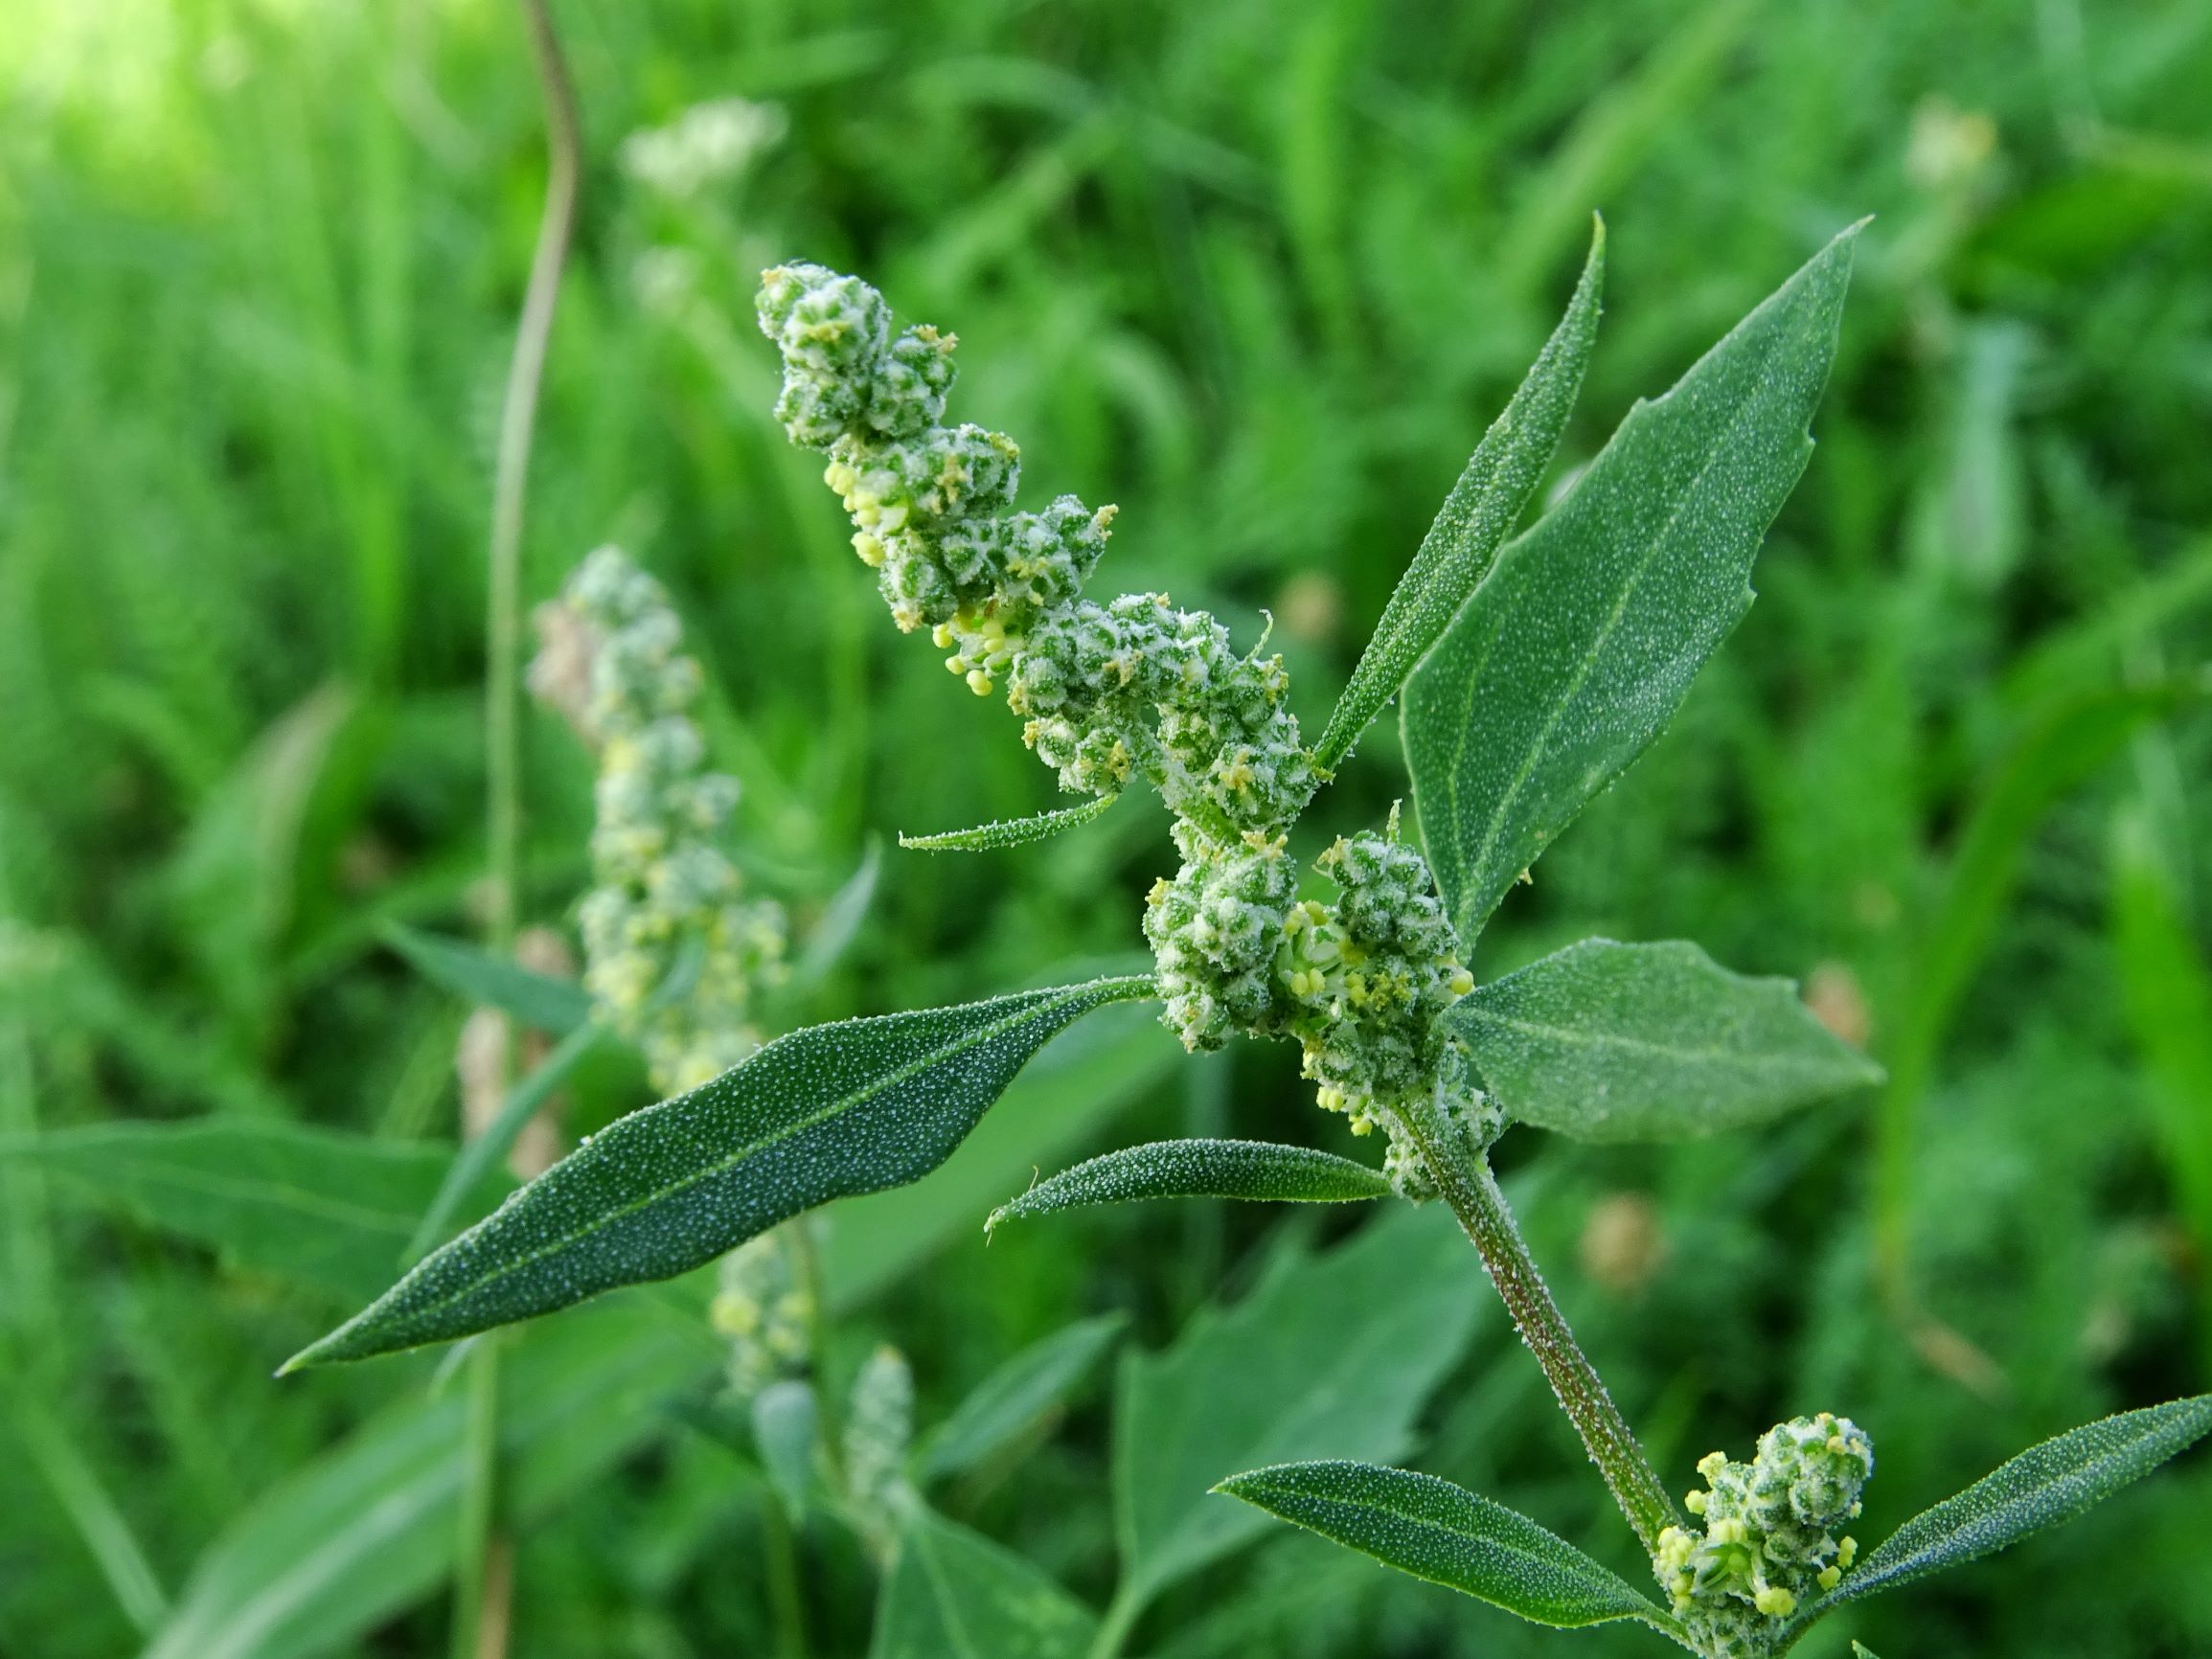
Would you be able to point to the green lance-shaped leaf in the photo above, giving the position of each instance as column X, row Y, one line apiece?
column 1648, row 1042
column 2043, row 1486
column 1448, row 1535
column 1863, row 1651
column 480, row 1156
column 1476, row 516
column 1010, row 1402
column 1200, row 1169
column 1008, row 831
column 1583, row 640
column 550, row 1005
column 836, row 1109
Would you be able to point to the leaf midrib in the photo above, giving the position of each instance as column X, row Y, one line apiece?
column 858, row 1097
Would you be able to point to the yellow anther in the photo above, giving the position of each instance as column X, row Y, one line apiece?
column 956, row 664
column 1712, row 1464
column 1694, row 1502
column 1461, row 981
column 869, row 516
column 1828, row 1578
column 941, row 636
column 1846, row 1551
column 869, row 548
column 1775, row 1601
column 979, row 681
column 1362, row 1126
column 1159, row 890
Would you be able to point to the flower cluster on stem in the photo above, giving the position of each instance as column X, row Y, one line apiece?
column 674, row 956
column 1769, row 1538
column 1131, row 689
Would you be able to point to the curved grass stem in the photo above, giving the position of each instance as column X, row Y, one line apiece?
column 484, row 1575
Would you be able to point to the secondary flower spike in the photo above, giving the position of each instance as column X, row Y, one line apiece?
column 674, row 956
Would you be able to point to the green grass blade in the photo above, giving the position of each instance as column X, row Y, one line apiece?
column 550, row 1005
column 1581, row 642
column 1477, row 516
column 93, row 1511
column 321, row 1207
column 1645, row 1043
column 1200, row 1169
column 1015, row 1398
column 2043, row 1486
column 1448, row 1535
column 479, row 1157
column 836, row 1109
column 1010, row 832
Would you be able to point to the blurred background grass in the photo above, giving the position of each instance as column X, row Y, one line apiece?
column 1259, row 273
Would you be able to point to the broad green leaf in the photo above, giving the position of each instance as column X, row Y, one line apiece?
column 1017, row 1397
column 1200, row 1169
column 1476, row 516
column 953, row 1594
column 1583, row 640
column 1447, row 1534
column 2043, row 1486
column 1642, row 1042
column 1063, row 1100
column 1010, row 832
column 315, row 1207
column 836, row 1109
column 1331, row 1356
column 477, row 976
column 369, row 1526
column 480, row 1156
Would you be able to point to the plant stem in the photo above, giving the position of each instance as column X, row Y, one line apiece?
column 781, row 1549
column 1121, row 1616
column 1472, row 1190
column 484, row 1579
column 517, row 423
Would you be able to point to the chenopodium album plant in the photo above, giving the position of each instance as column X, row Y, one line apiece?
column 1531, row 671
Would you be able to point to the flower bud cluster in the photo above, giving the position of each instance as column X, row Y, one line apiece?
column 674, row 956
column 1134, row 688
column 878, row 1432
column 1768, row 1540
column 761, row 1307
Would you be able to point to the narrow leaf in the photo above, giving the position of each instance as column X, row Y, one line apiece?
column 536, row 999
column 368, row 1527
column 1330, row 1355
column 1448, row 1535
column 954, row 1593
column 1476, row 516
column 832, row 1110
column 1863, row 1652
column 1010, row 832
column 840, row 920
column 1015, row 1398
column 1583, row 640
column 315, row 1207
column 2043, row 1486
column 479, row 1157
column 1640, row 1042
column 1200, row 1169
